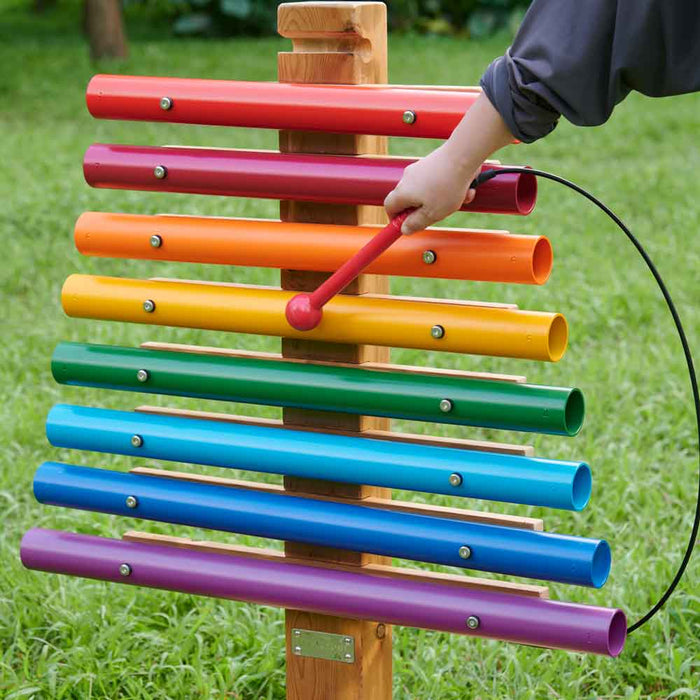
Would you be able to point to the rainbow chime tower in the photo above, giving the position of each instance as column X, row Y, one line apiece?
column 335, row 384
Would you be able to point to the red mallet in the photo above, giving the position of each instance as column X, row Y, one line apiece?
column 304, row 311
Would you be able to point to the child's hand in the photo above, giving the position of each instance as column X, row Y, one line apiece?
column 436, row 186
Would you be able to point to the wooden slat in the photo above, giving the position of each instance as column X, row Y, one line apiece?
column 365, row 294
column 436, row 440
column 376, row 366
column 399, row 573
column 472, row 516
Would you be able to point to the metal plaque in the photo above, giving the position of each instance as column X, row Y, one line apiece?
column 323, row 645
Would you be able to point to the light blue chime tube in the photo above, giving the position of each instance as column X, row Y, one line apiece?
column 357, row 460
column 505, row 550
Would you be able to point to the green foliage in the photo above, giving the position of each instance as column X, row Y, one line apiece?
column 63, row 638
column 476, row 18
column 226, row 17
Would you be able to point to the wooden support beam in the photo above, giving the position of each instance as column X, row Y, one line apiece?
column 377, row 366
column 437, row 440
column 395, row 572
column 472, row 516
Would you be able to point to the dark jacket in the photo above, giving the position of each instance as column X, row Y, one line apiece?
column 579, row 58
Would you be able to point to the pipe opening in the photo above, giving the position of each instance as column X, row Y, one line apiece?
column 581, row 487
column 542, row 257
column 617, row 633
column 525, row 193
column 558, row 338
column 574, row 411
column 600, row 566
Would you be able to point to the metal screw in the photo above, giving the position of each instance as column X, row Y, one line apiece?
column 446, row 407
column 124, row 569
column 156, row 241
column 131, row 501
column 437, row 332
column 142, row 375
column 348, row 641
column 348, row 657
column 465, row 552
column 455, row 479
column 409, row 116
column 381, row 631
column 297, row 650
column 297, row 633
column 136, row 441
column 165, row 103
column 149, row 306
column 473, row 622
column 429, row 257
column 160, row 171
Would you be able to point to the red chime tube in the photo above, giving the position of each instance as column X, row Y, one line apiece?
column 383, row 110
column 286, row 176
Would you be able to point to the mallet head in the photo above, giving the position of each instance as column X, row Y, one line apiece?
column 301, row 314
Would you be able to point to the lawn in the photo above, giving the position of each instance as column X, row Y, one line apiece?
column 69, row 638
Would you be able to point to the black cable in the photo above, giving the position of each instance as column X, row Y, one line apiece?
column 488, row 175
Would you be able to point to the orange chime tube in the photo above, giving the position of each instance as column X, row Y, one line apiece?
column 371, row 319
column 487, row 256
column 384, row 110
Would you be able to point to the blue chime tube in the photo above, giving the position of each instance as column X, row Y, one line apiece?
column 357, row 460
column 499, row 549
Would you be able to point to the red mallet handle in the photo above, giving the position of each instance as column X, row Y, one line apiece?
column 304, row 311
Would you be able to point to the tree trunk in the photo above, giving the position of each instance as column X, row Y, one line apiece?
column 105, row 29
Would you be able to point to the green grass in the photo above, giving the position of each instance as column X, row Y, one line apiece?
column 72, row 638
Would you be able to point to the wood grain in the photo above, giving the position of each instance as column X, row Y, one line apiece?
column 333, row 42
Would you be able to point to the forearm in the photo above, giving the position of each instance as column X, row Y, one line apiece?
column 480, row 133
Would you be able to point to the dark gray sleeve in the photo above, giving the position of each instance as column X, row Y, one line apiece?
column 579, row 58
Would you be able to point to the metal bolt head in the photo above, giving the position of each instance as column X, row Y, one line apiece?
column 437, row 332
column 348, row 657
column 165, row 103
column 132, row 501
column 348, row 641
column 446, row 407
column 465, row 552
column 455, row 479
column 142, row 375
column 297, row 633
column 149, row 306
column 156, row 241
column 473, row 622
column 429, row 257
column 160, row 171
column 297, row 650
column 124, row 569
column 409, row 116
column 136, row 441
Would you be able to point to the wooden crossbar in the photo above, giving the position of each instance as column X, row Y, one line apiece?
column 436, row 440
column 473, row 516
column 395, row 572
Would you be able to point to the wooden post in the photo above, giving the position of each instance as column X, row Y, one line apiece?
column 335, row 42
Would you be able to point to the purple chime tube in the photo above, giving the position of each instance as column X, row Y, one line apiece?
column 435, row 606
